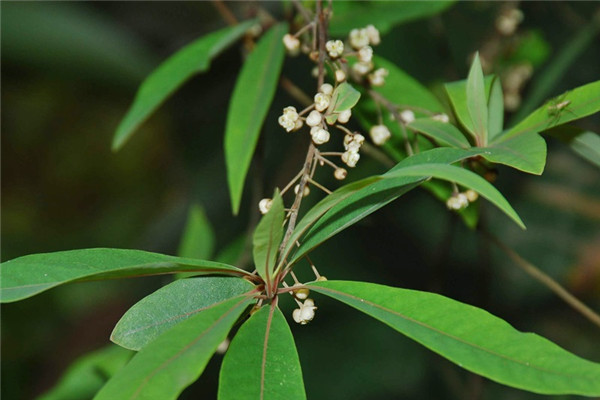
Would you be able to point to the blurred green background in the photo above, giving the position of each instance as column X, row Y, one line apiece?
column 69, row 73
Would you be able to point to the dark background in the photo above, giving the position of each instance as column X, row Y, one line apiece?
column 69, row 73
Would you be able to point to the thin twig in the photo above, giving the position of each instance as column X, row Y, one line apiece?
column 546, row 280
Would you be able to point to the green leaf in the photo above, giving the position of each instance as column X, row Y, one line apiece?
column 402, row 89
column 176, row 358
column 525, row 152
column 477, row 102
column 383, row 14
column 251, row 99
column 372, row 197
column 471, row 338
column 171, row 74
column 457, row 93
column 344, row 97
column 29, row 275
column 462, row 177
column 574, row 104
column 445, row 134
column 170, row 305
column 585, row 143
column 267, row 237
column 198, row 239
column 495, row 109
column 84, row 377
column 322, row 207
column 262, row 361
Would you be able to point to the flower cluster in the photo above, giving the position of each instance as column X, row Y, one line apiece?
column 305, row 313
column 352, row 143
column 290, row 120
column 458, row 201
column 379, row 134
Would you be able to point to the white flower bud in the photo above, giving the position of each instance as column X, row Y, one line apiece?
column 350, row 158
column 223, row 346
column 360, row 139
column 365, row 54
column 457, row 201
column 291, row 113
column 315, row 72
column 314, row 118
column 319, row 135
column 471, row 195
column 265, row 205
column 340, row 174
column 286, row 123
column 335, row 48
column 322, row 101
column 344, row 116
column 373, row 35
column 379, row 134
column 302, row 293
column 441, row 117
column 305, row 313
column 377, row 78
column 407, row 116
column 298, row 124
column 326, row 89
column 340, row 76
column 292, row 44
column 296, row 315
column 359, row 38
column 362, row 68
column 306, row 190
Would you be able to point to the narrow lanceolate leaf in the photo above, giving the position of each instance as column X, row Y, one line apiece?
column 267, row 237
column 177, row 358
column 262, row 362
column 198, row 239
column 495, row 109
column 171, row 74
column 477, row 101
column 445, row 134
column 462, row 177
column 250, row 102
column 171, row 305
column 457, row 93
column 364, row 201
column 471, row 338
column 84, row 378
column 574, row 104
column 526, row 152
column 29, row 275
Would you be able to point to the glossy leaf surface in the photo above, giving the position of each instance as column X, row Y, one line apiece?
column 250, row 102
column 471, row 338
column 172, row 304
column 262, row 361
column 525, row 152
column 445, row 134
column 171, row 74
column 267, row 237
column 29, row 275
column 175, row 359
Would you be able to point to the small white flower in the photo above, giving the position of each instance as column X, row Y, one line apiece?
column 335, row 48
column 407, row 116
column 373, row 35
column 326, row 89
column 305, row 313
column 322, row 101
column 302, row 293
column 292, row 44
column 441, row 118
column 377, row 78
column 289, row 118
column 379, row 134
column 358, row 138
column 306, row 191
column 362, row 68
column 344, row 116
column 457, row 201
column 319, row 135
column 265, row 205
column 347, row 139
column 298, row 124
column 365, row 54
column 350, row 158
column 359, row 38
column 340, row 174
column 291, row 113
column 471, row 195
column 314, row 118
column 340, row 76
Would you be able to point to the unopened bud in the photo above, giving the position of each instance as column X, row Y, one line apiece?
column 340, row 174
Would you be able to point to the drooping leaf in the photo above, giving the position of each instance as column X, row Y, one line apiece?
column 29, row 275
column 585, row 143
column 267, row 238
column 402, row 89
column 462, row 177
column 574, row 104
column 251, row 99
column 84, row 378
column 383, row 14
column 445, row 134
column 495, row 109
column 477, row 102
column 471, row 338
column 525, row 152
column 457, row 93
column 171, row 74
column 372, row 197
column 176, row 358
column 198, row 239
column 172, row 304
column 262, row 361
